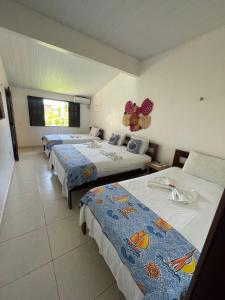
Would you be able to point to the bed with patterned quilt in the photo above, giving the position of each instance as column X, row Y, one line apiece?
column 50, row 140
column 81, row 164
column 150, row 240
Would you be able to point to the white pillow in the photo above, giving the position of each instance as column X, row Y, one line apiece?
column 144, row 143
column 206, row 167
column 122, row 137
column 94, row 131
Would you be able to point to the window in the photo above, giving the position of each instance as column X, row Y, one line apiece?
column 48, row 112
column 56, row 113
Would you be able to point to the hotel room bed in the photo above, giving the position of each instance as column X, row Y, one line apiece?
column 50, row 140
column 95, row 162
column 190, row 224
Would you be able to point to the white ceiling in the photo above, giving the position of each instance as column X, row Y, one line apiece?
column 32, row 64
column 140, row 28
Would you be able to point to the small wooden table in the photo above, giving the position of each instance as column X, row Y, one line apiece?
column 155, row 166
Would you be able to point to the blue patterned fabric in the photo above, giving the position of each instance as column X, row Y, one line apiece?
column 79, row 169
column 159, row 258
column 52, row 140
column 134, row 146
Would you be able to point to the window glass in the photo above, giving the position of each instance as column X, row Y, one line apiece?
column 56, row 113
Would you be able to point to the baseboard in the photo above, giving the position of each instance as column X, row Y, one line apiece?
column 31, row 146
column 6, row 194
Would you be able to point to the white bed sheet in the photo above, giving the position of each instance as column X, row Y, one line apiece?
column 191, row 220
column 105, row 166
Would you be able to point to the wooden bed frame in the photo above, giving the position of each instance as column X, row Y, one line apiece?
column 152, row 151
column 179, row 158
column 101, row 134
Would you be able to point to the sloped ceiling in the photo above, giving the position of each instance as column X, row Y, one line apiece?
column 32, row 64
column 140, row 28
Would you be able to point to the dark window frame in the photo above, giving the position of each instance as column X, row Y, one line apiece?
column 73, row 107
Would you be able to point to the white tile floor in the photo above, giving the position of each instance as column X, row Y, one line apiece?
column 43, row 254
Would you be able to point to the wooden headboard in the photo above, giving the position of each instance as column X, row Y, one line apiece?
column 152, row 150
column 100, row 133
column 126, row 140
column 179, row 158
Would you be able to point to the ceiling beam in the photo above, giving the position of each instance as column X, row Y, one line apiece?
column 18, row 18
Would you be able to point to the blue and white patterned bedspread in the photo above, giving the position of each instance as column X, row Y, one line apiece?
column 159, row 258
column 78, row 168
column 52, row 140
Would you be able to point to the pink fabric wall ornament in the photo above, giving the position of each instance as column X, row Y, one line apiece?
column 129, row 107
column 137, row 118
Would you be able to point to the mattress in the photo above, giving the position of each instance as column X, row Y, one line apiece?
column 104, row 165
column 191, row 220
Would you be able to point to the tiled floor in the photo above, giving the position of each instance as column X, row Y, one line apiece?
column 43, row 254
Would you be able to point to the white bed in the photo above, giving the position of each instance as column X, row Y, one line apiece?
column 105, row 166
column 68, row 139
column 191, row 220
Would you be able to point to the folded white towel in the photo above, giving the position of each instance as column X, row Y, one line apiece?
column 182, row 195
column 93, row 144
column 162, row 181
column 178, row 194
column 111, row 155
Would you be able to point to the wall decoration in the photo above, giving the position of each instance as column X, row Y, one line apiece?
column 2, row 113
column 136, row 117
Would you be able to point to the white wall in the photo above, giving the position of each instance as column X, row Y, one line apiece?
column 31, row 135
column 175, row 81
column 6, row 152
column 108, row 104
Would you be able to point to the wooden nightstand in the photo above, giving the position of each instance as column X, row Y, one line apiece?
column 155, row 166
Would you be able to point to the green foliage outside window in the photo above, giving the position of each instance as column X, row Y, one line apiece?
column 56, row 113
